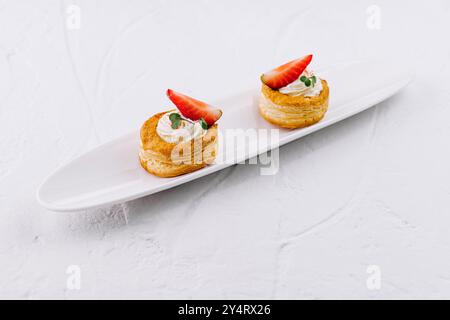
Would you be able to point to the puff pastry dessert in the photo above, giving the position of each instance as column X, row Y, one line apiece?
column 180, row 141
column 293, row 97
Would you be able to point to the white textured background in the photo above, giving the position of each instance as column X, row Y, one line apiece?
column 371, row 190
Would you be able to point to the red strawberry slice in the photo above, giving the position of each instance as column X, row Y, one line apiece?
column 287, row 73
column 194, row 109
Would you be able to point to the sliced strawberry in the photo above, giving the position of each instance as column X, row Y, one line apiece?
column 287, row 73
column 194, row 109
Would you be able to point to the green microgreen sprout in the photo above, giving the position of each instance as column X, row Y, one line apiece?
column 308, row 81
column 175, row 118
column 203, row 124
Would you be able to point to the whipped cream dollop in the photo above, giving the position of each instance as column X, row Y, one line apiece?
column 187, row 130
column 298, row 88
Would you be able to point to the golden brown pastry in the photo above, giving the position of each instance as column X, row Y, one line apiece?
column 293, row 111
column 162, row 158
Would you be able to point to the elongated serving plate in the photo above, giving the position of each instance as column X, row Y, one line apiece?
column 111, row 173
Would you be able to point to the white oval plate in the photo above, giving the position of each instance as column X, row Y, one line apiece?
column 111, row 173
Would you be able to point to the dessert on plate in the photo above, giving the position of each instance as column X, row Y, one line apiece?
column 181, row 140
column 292, row 96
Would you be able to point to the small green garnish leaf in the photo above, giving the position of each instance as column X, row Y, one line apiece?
column 175, row 118
column 308, row 81
column 203, row 124
column 176, row 124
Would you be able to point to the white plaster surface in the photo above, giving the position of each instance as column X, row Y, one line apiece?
column 371, row 190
